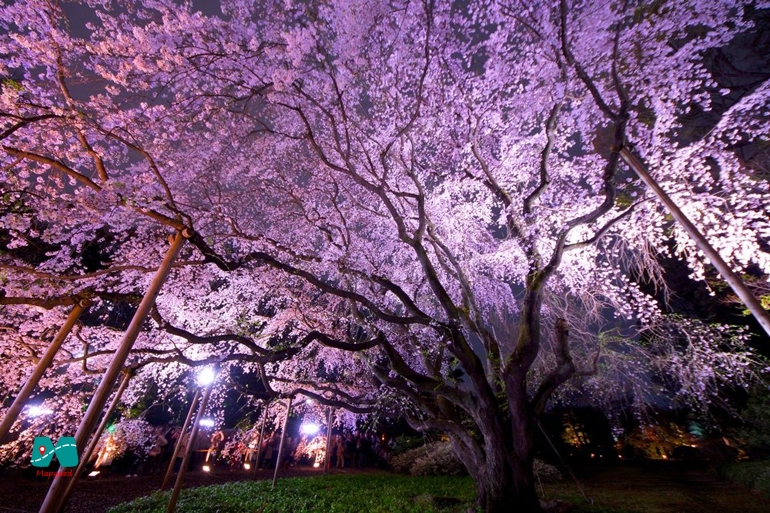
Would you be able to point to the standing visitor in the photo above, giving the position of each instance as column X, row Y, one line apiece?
column 340, row 449
column 155, row 461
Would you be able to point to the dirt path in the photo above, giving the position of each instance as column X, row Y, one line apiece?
column 640, row 487
column 20, row 494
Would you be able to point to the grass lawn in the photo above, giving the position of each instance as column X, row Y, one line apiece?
column 665, row 488
column 348, row 493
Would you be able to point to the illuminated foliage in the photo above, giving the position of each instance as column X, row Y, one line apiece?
column 413, row 206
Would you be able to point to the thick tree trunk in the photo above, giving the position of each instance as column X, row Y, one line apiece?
column 502, row 468
column 510, row 490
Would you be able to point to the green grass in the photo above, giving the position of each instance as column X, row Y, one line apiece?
column 663, row 488
column 329, row 494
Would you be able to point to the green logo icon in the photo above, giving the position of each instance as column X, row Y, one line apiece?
column 43, row 450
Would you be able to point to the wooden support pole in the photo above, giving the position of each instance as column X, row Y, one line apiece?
column 733, row 280
column 178, row 445
column 327, row 456
column 283, row 438
column 55, row 499
column 45, row 361
column 261, row 437
column 127, row 374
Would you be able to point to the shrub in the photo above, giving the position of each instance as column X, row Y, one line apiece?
column 401, row 463
column 405, row 443
column 438, row 459
column 756, row 416
column 546, row 473
column 752, row 474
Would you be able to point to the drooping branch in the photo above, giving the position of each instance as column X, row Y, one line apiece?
column 564, row 370
column 339, row 292
column 328, row 341
column 47, row 303
column 601, row 232
column 86, row 181
column 212, row 339
column 328, row 395
column 153, row 165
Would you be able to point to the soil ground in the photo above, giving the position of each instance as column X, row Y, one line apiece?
column 648, row 487
column 95, row 495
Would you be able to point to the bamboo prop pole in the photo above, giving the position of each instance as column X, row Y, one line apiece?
column 261, row 437
column 127, row 375
column 55, row 498
column 732, row 279
column 327, row 456
column 283, row 438
column 45, row 361
column 178, row 446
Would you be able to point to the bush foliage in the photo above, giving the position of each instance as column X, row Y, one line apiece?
column 438, row 459
column 756, row 416
column 752, row 474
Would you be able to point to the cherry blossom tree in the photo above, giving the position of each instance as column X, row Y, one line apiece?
column 414, row 206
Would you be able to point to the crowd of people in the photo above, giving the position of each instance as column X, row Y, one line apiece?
column 359, row 451
column 148, row 454
column 151, row 453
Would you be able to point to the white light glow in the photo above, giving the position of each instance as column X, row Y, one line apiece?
column 308, row 429
column 247, row 466
column 37, row 411
column 206, row 376
column 206, row 468
column 207, row 423
column 94, row 473
column 308, row 401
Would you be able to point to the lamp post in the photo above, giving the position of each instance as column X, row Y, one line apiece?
column 18, row 404
column 205, row 379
